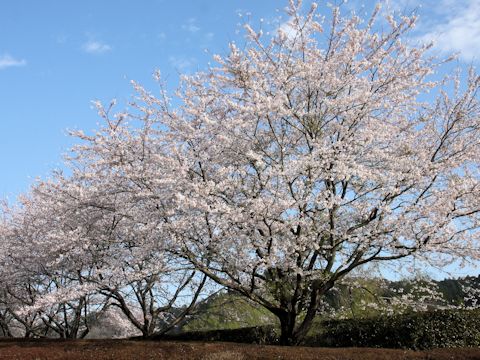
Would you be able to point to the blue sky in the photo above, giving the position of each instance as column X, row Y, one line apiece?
column 57, row 56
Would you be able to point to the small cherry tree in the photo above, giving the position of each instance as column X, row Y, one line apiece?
column 91, row 236
column 29, row 274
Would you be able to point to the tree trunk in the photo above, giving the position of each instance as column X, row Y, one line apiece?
column 287, row 327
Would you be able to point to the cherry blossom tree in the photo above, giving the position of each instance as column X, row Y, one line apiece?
column 297, row 160
column 305, row 156
column 135, row 269
column 89, row 239
column 29, row 275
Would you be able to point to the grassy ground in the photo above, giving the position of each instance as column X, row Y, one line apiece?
column 128, row 349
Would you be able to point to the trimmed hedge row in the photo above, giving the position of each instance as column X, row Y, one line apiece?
column 252, row 335
column 418, row 331
column 424, row 330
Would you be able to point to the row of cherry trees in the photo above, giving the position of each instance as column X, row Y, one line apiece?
column 295, row 162
column 72, row 251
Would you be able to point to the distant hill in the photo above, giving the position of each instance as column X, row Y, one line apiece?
column 227, row 310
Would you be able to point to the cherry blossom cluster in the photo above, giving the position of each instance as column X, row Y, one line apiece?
column 286, row 167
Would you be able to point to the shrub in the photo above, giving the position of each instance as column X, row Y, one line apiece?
column 253, row 335
column 418, row 331
column 426, row 330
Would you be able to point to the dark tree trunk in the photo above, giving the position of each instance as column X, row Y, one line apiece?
column 287, row 327
column 292, row 334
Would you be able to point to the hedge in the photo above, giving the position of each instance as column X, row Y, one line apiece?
column 418, row 331
column 253, row 335
column 422, row 330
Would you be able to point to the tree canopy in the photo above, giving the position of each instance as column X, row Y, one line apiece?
column 294, row 161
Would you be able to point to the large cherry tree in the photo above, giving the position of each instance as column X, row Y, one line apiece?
column 303, row 157
column 298, row 159
column 323, row 149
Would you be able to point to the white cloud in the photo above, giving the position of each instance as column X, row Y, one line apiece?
column 288, row 29
column 191, row 25
column 6, row 61
column 452, row 25
column 401, row 6
column 456, row 30
column 96, row 47
column 181, row 63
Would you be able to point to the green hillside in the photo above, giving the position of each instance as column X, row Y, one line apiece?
column 226, row 310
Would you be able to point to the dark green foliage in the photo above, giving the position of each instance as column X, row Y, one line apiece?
column 418, row 331
column 433, row 329
column 453, row 290
column 252, row 335
column 227, row 316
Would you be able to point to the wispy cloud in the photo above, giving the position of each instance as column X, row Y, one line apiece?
column 452, row 25
column 404, row 6
column 209, row 36
column 459, row 31
column 288, row 29
column 191, row 25
column 182, row 64
column 6, row 61
column 96, row 47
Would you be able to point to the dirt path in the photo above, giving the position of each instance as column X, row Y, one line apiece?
column 127, row 349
